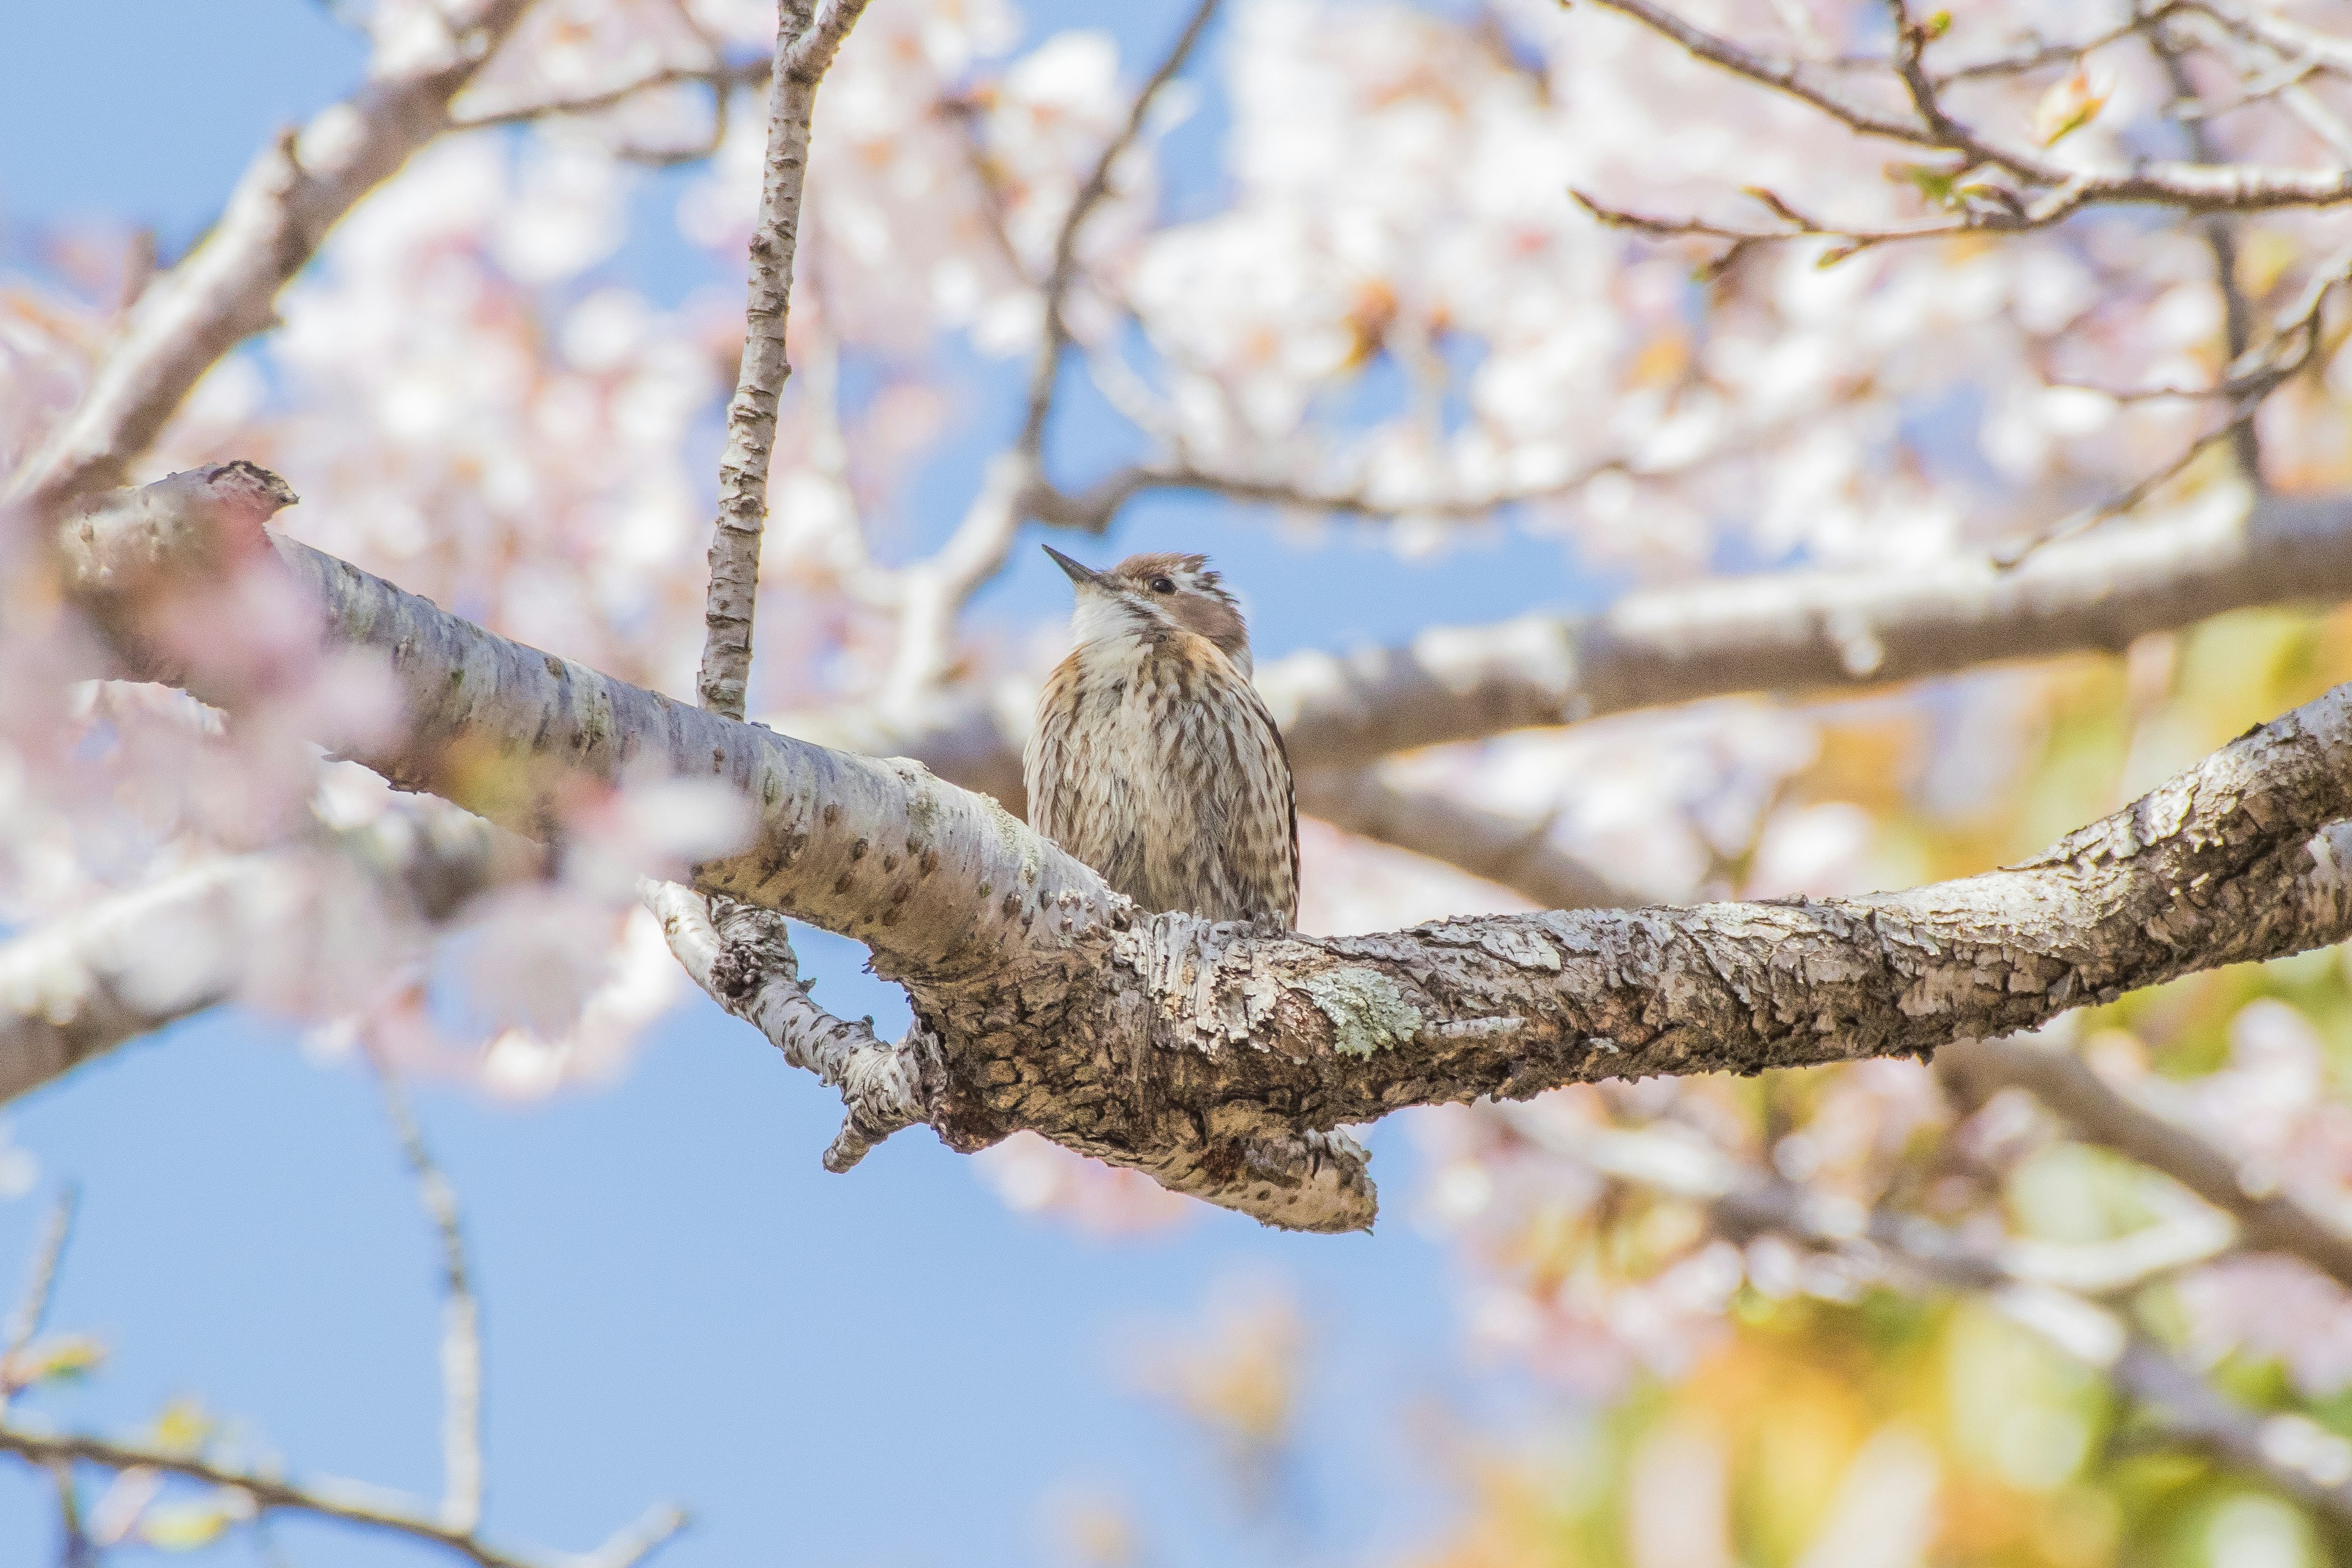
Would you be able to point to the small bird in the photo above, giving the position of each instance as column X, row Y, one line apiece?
column 1153, row 759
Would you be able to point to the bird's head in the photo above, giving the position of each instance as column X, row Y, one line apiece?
column 1144, row 593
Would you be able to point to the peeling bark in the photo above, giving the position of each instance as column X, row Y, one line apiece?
column 1219, row 1057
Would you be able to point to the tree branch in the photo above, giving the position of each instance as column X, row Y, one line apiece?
column 226, row 289
column 738, row 954
column 2190, row 187
column 344, row 1501
column 933, row 591
column 2288, row 1452
column 806, row 41
column 85, row 983
column 461, row 1319
column 2100, row 1113
column 1220, row 1058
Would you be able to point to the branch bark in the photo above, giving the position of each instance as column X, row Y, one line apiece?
column 81, row 986
column 226, row 289
column 1220, row 1058
column 806, row 41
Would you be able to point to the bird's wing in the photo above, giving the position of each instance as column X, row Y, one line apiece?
column 1261, row 835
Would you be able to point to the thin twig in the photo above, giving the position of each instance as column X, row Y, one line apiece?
column 461, row 1318
column 806, row 41
column 935, row 591
column 341, row 1500
column 2190, row 188
column 1064, row 276
column 40, row 1284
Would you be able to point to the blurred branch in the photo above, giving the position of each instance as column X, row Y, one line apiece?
column 461, row 1319
column 2051, row 190
column 1373, row 803
column 1092, row 509
column 347, row 1502
column 934, row 591
column 1782, row 632
column 720, row 77
column 2038, row 54
column 2268, row 1219
column 40, row 1284
column 2289, row 1452
column 2222, row 241
column 90, row 981
column 226, row 289
column 807, row 37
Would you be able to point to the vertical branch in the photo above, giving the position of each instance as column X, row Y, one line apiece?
column 806, row 41
column 39, row 1285
column 75, row 1547
column 1043, row 373
column 2221, row 238
column 461, row 1320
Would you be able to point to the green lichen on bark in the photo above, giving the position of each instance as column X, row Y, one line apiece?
column 1368, row 1013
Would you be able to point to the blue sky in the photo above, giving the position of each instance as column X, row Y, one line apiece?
column 883, row 1368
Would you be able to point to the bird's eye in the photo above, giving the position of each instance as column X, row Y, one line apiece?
column 1163, row 586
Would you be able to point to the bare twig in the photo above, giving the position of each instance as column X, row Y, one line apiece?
column 2191, row 187
column 742, row 956
column 1064, row 276
column 719, row 77
column 807, row 38
column 2038, row 55
column 40, row 1283
column 461, row 1319
column 344, row 1501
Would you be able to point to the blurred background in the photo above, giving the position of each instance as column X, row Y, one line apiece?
column 1417, row 384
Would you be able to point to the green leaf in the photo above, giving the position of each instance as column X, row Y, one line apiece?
column 67, row 1358
column 184, row 1527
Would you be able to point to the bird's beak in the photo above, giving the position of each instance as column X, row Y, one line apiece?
column 1079, row 573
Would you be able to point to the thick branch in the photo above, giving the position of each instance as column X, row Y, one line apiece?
column 226, row 289
column 1219, row 1056
column 936, row 880
column 806, row 41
